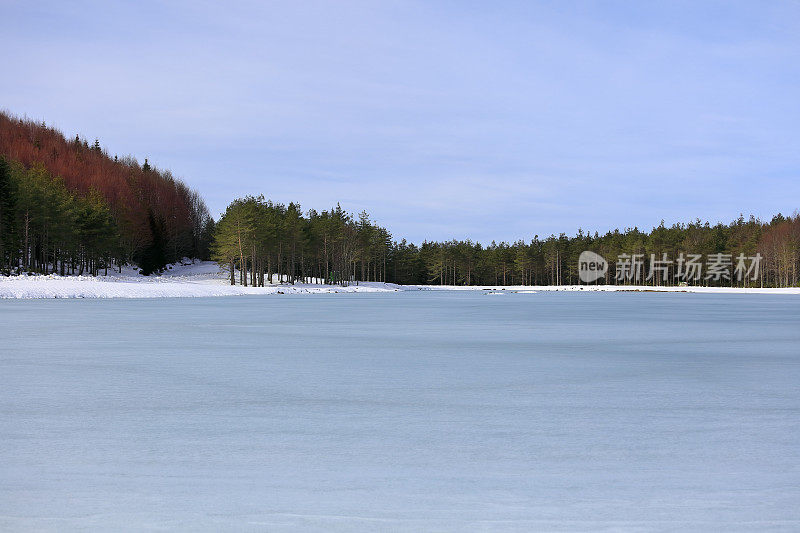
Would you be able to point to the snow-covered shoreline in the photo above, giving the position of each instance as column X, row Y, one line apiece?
column 204, row 279
column 198, row 280
column 616, row 288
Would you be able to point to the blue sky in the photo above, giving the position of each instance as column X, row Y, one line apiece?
column 482, row 120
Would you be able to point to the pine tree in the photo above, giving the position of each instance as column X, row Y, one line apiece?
column 8, row 243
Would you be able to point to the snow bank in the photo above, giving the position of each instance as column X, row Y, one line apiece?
column 200, row 279
column 609, row 288
column 204, row 278
column 84, row 287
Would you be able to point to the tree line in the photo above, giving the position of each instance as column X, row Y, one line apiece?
column 265, row 241
column 67, row 205
column 257, row 240
column 554, row 260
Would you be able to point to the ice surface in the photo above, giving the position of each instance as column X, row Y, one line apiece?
column 401, row 411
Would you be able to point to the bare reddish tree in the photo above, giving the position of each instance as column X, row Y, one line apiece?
column 131, row 191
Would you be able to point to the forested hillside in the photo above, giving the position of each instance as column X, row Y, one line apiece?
column 67, row 206
column 335, row 246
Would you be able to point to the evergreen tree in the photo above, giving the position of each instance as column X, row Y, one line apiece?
column 8, row 245
column 153, row 258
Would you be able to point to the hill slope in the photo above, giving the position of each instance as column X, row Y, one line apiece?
column 58, row 192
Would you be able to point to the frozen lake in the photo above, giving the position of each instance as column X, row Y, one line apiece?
column 446, row 411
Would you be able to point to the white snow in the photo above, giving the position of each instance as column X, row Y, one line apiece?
column 198, row 279
column 205, row 278
column 609, row 288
